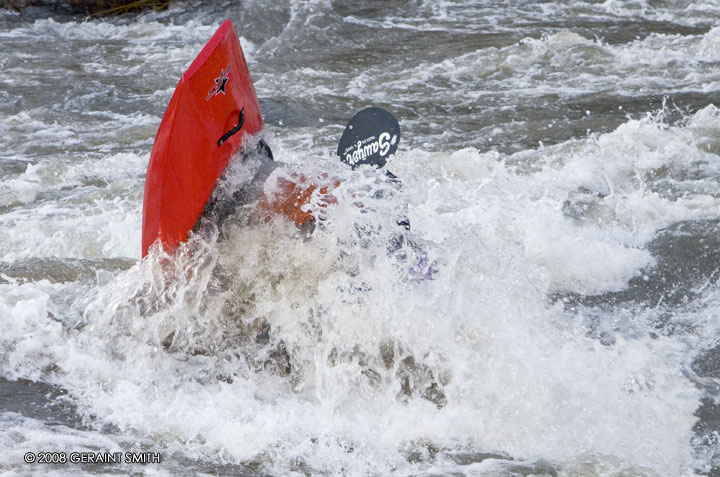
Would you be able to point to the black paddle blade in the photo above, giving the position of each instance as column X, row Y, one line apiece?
column 370, row 137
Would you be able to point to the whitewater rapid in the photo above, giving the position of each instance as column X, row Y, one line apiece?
column 551, row 311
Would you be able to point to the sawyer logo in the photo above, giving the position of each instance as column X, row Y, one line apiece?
column 370, row 137
column 220, row 83
column 364, row 149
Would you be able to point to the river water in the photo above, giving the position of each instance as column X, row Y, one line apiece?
column 553, row 310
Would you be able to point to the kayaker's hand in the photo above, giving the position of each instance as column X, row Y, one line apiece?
column 290, row 194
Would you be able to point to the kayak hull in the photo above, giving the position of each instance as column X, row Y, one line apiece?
column 198, row 135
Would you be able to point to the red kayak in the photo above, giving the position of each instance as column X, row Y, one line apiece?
column 212, row 109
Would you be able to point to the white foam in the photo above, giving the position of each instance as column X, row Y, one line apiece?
column 168, row 351
column 521, row 376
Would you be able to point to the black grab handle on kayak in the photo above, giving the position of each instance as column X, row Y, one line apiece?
column 237, row 128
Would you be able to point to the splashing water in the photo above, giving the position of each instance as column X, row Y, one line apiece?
column 550, row 311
